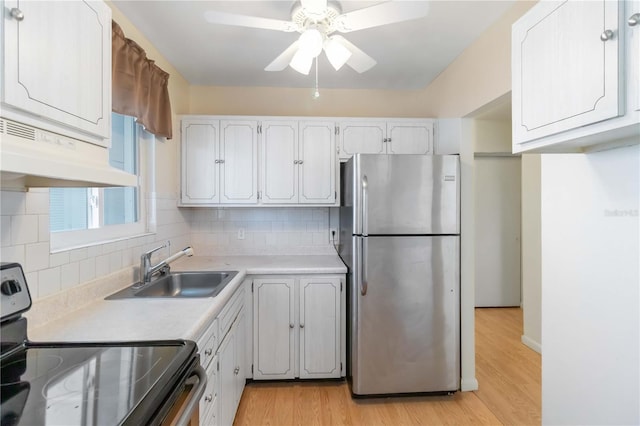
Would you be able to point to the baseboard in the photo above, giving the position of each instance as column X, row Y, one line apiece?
column 531, row 343
column 467, row 385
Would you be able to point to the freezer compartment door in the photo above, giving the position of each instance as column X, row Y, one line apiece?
column 406, row 194
column 405, row 327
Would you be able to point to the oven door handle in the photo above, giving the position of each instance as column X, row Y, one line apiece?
column 194, row 400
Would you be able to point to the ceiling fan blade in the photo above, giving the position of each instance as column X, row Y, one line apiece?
column 359, row 60
column 381, row 14
column 216, row 17
column 282, row 61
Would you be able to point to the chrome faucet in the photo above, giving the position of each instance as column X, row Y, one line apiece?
column 147, row 271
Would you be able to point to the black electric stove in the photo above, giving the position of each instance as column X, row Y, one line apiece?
column 65, row 383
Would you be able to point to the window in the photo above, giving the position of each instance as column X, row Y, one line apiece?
column 83, row 216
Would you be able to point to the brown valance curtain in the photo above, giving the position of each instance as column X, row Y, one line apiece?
column 139, row 86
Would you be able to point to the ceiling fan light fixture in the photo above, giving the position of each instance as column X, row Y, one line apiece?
column 301, row 62
column 311, row 42
column 337, row 54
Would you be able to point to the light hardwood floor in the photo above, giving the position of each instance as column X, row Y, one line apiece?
column 509, row 394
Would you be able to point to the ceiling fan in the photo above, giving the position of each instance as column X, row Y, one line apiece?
column 317, row 21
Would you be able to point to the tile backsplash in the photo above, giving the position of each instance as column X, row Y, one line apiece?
column 246, row 230
column 24, row 238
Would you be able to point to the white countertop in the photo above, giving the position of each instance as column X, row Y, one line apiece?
column 157, row 319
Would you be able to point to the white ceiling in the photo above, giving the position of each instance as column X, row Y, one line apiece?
column 409, row 54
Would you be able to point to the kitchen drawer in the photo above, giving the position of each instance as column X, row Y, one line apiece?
column 208, row 343
column 209, row 399
column 230, row 311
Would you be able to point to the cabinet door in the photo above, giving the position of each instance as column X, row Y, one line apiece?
column 633, row 53
column 227, row 377
column 273, row 329
column 57, row 62
column 238, row 162
column 317, row 162
column 365, row 137
column 410, row 138
column 199, row 169
column 564, row 75
column 279, row 162
column 319, row 328
column 239, row 371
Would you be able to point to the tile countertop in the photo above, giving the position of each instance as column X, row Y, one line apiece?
column 157, row 319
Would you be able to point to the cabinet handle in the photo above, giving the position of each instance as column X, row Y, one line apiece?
column 606, row 35
column 208, row 352
column 236, row 370
column 208, row 398
column 17, row 14
column 301, row 325
column 634, row 20
column 290, row 325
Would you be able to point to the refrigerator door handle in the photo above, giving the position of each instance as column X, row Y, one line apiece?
column 364, row 284
column 365, row 206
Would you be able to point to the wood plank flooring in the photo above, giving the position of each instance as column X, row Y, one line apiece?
column 509, row 394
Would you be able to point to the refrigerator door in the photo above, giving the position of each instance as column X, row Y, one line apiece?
column 406, row 194
column 405, row 315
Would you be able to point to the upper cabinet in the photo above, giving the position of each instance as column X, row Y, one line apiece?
column 385, row 137
column 57, row 67
column 298, row 162
column 219, row 162
column 575, row 76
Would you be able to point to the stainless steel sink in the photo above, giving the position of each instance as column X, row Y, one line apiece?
column 180, row 285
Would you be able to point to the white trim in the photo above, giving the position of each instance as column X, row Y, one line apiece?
column 470, row 384
column 527, row 341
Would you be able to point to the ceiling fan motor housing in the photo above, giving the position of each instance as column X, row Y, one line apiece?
column 304, row 18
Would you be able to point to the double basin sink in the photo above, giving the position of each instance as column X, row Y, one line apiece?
column 179, row 285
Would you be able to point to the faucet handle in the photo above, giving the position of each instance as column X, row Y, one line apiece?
column 150, row 252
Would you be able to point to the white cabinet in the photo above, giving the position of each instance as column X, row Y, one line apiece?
column 385, row 137
column 298, row 331
column 57, row 67
column 298, row 162
column 219, row 162
column 575, row 75
column 222, row 349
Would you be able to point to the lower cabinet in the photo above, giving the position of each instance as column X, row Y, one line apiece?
column 232, row 374
column 222, row 354
column 298, row 328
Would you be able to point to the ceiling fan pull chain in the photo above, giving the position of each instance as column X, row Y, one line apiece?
column 316, row 94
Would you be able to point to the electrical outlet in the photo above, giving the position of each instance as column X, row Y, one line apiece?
column 333, row 235
column 241, row 233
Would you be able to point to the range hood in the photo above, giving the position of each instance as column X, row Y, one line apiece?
column 32, row 157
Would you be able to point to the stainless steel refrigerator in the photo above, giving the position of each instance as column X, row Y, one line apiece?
column 400, row 239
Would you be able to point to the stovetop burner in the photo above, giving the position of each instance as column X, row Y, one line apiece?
column 83, row 383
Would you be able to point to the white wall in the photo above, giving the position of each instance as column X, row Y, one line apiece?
column 590, row 288
column 531, row 252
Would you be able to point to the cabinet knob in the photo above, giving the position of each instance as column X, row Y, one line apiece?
column 295, row 161
column 634, row 20
column 301, row 325
column 221, row 161
column 300, row 161
column 208, row 398
column 17, row 14
column 236, row 370
column 290, row 325
column 208, row 352
column 606, row 35
column 217, row 161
